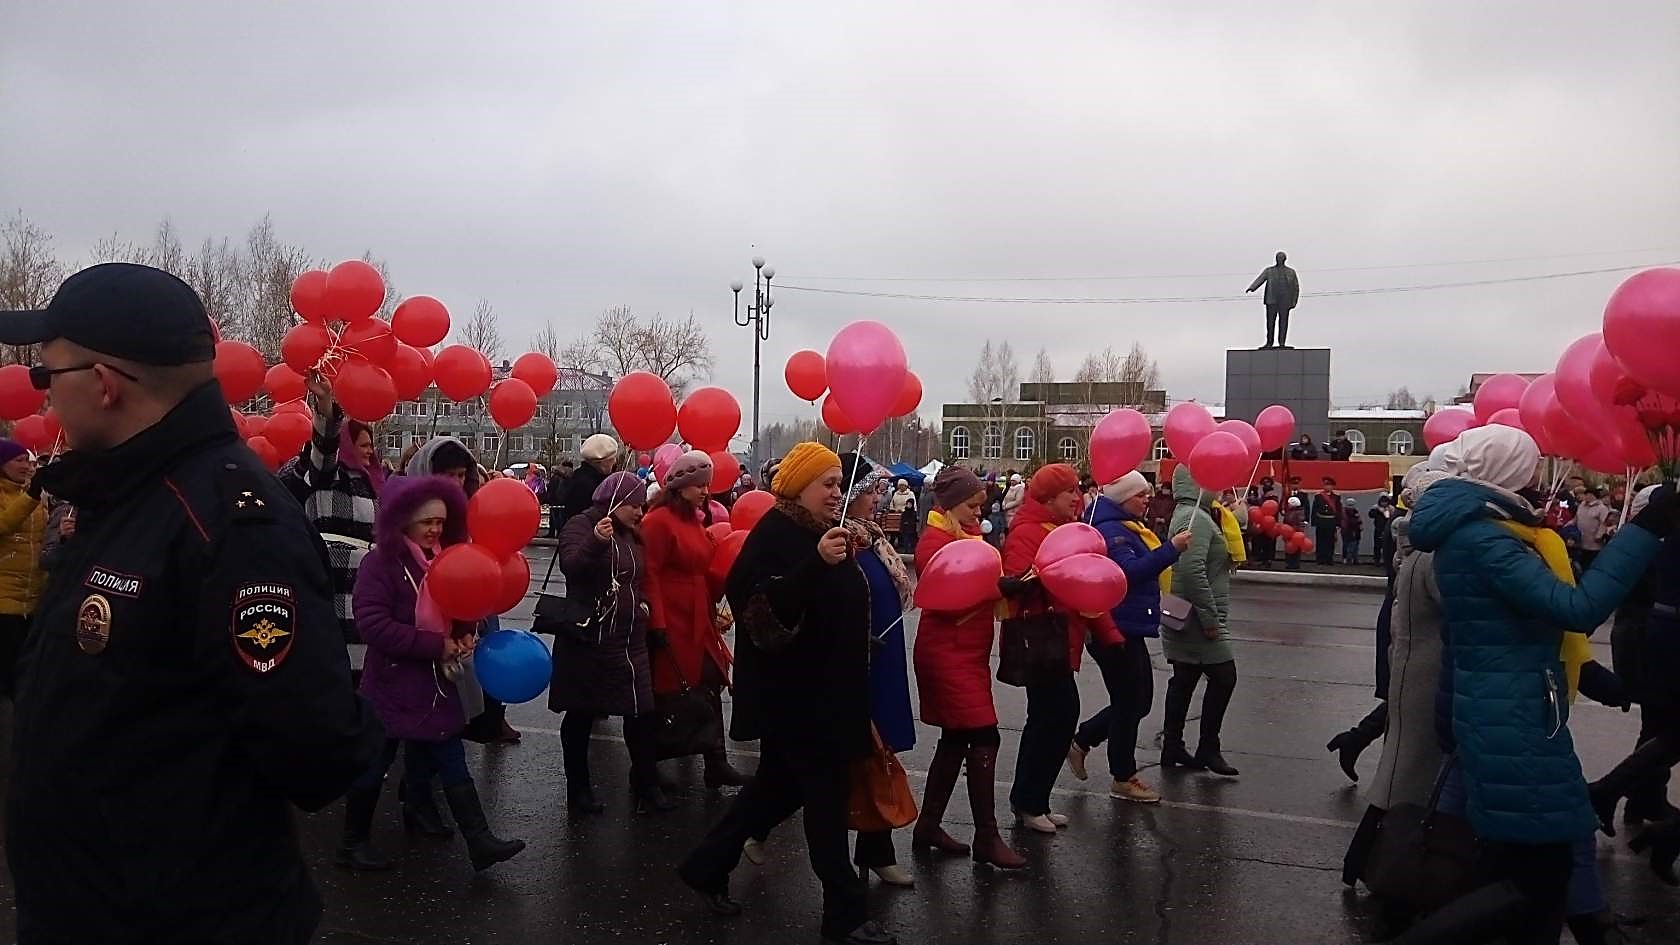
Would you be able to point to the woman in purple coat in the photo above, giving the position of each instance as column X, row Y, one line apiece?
column 414, row 657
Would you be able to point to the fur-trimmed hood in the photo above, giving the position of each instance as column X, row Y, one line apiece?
column 403, row 496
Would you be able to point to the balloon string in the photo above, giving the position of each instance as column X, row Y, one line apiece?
column 1627, row 493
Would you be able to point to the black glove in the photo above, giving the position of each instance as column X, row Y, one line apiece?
column 1603, row 686
column 1013, row 586
column 657, row 640
column 1661, row 516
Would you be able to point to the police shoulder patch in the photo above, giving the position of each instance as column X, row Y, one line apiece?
column 264, row 625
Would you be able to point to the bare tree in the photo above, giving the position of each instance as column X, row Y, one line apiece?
column 165, row 252
column 547, row 342
column 777, row 438
column 271, row 266
column 1044, row 371
column 393, row 298
column 678, row 352
column 217, row 273
column 481, row 332
column 984, row 383
column 1108, row 366
column 29, row 275
column 1402, row 399
column 1008, row 372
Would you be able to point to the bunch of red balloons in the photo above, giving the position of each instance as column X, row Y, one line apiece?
column 865, row 375
column 1264, row 521
column 748, row 510
column 488, row 574
column 645, row 414
column 1223, row 454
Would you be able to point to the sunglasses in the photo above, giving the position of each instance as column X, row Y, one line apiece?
column 40, row 377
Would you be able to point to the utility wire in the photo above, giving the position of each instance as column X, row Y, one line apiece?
column 1231, row 275
column 1168, row 300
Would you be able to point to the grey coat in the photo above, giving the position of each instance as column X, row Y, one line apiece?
column 1411, row 758
column 1202, row 576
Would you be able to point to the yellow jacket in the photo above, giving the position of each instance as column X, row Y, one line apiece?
column 23, row 527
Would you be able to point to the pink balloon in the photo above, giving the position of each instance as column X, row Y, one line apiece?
column 1246, row 433
column 1219, row 461
column 1532, row 410
column 720, row 515
column 1497, row 393
column 663, row 457
column 1085, row 583
column 1444, row 425
column 866, row 366
column 749, row 508
column 1509, row 417
column 1642, row 328
column 1119, row 443
column 1573, row 382
column 959, row 577
column 1567, row 436
column 1276, row 426
column 1065, row 541
column 1185, row 426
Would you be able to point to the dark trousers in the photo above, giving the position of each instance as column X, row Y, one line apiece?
column 1325, row 546
column 1541, row 874
column 788, row 782
column 874, row 849
column 640, row 739
column 13, row 628
column 1264, row 548
column 1130, row 680
column 1277, row 319
column 1222, row 682
column 1052, row 715
column 1647, row 797
column 446, row 759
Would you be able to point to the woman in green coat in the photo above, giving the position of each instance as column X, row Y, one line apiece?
column 1203, row 577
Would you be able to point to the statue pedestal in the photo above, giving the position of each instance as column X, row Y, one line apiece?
column 1297, row 378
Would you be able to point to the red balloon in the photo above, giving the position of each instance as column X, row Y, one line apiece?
column 1270, row 507
column 1297, row 543
column 240, row 369
column 1532, row 410
column 910, row 398
column 284, row 384
column 365, row 391
column 267, row 452
column 1508, row 417
column 536, row 370
column 1065, row 541
column 18, row 397
column 726, row 472
column 1276, row 426
column 31, row 433
column 1307, row 545
column 516, row 582
column 466, row 579
column 807, row 375
column 642, row 410
column 370, row 340
column 1118, row 444
column 255, row 425
column 503, row 516
column 297, row 407
column 959, row 577
column 304, row 345
column 1250, row 437
column 239, row 423
column 288, row 431
column 1219, row 461
column 52, row 428
column 461, row 373
column 719, row 531
column 723, row 558
column 421, row 321
column 512, row 404
column 1184, row 427
column 410, row 372
column 1089, row 583
column 836, row 421
column 355, row 290
column 709, row 417
column 309, row 295
column 749, row 508
column 1444, row 425
column 1261, row 522
column 1497, row 393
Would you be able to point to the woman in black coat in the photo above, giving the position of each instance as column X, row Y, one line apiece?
column 602, row 668
column 802, row 688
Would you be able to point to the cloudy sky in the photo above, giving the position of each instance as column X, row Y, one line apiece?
column 561, row 157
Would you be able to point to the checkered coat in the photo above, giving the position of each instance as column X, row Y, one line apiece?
column 340, row 503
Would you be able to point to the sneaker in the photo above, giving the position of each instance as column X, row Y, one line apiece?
column 1060, row 820
column 1076, row 761
column 1135, row 790
column 1038, row 823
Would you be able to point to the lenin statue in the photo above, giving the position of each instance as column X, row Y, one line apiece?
column 1283, row 290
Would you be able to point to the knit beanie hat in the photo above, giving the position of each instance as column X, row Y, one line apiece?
column 859, row 473
column 620, row 488
column 801, row 467
column 1127, row 486
column 10, row 450
column 1052, row 481
column 955, row 485
column 693, row 468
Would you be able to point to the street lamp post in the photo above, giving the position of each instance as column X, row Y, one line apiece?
column 757, row 317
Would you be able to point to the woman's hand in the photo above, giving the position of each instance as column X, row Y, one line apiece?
column 320, row 392
column 451, row 650
column 67, row 524
column 604, row 529
column 834, row 544
column 1181, row 540
column 1211, row 631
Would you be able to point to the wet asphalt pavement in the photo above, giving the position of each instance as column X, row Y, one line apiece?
column 1253, row 860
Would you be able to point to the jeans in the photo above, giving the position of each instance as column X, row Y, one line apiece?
column 1052, row 715
column 446, row 759
column 1350, row 551
column 1130, row 680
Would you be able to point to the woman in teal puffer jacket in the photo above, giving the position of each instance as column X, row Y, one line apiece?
column 1503, row 705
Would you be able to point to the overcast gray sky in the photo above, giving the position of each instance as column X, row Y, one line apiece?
column 558, row 158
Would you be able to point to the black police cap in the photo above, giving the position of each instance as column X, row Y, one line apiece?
column 124, row 310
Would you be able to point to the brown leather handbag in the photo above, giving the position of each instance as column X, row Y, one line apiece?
column 880, row 798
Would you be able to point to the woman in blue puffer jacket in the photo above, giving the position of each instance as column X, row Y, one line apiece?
column 1127, row 672
column 1502, row 709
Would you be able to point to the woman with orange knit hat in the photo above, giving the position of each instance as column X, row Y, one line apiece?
column 1053, row 498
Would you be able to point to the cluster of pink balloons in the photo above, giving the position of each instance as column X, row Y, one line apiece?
column 959, row 577
column 865, row 374
column 1222, row 454
column 1074, row 565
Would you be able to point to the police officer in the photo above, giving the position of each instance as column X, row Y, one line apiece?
column 184, row 683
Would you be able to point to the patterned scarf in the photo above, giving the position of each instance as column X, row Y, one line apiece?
column 867, row 534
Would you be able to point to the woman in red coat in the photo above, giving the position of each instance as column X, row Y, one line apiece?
column 953, row 658
column 686, row 644
column 1053, row 498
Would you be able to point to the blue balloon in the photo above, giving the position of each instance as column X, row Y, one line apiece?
column 513, row 665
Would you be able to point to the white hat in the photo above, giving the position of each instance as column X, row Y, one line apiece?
column 599, row 447
column 1294, row 501
column 1127, row 486
column 1015, row 478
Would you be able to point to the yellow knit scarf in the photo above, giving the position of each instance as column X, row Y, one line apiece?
column 1547, row 543
column 1150, row 541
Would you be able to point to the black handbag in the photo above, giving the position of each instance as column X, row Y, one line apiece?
column 690, row 723
column 1423, row 858
column 576, row 620
column 1033, row 649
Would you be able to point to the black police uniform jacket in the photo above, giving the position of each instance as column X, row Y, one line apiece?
column 184, row 684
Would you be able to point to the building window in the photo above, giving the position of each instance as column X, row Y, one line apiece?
column 991, row 446
column 1400, row 443
column 1357, row 439
column 1069, row 448
column 492, row 443
column 959, row 442
column 1161, row 452
column 566, row 444
column 1025, row 443
column 469, row 408
column 568, row 410
column 397, row 409
column 393, row 441
column 422, row 408
column 445, row 409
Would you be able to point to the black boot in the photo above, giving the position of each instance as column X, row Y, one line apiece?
column 1663, row 840
column 420, row 813
column 1596, row 928
column 1475, row 917
column 869, row 933
column 355, row 850
column 484, row 848
column 581, row 801
column 1656, row 754
column 720, row 773
column 1350, row 743
column 1209, row 758
column 651, row 799
column 1173, row 754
